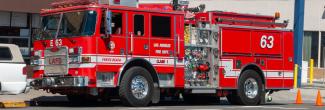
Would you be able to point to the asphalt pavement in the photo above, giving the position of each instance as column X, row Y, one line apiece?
column 283, row 100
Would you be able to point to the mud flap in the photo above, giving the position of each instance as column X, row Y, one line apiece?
column 262, row 100
column 156, row 94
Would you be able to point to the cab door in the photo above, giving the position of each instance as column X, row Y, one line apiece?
column 162, row 43
column 111, row 45
column 138, row 38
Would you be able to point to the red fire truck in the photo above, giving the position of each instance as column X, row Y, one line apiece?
column 91, row 51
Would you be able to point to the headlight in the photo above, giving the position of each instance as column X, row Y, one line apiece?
column 38, row 53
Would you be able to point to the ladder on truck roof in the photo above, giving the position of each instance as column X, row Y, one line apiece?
column 232, row 18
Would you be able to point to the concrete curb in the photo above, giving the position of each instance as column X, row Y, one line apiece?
column 14, row 104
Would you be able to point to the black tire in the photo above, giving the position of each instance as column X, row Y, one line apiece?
column 125, row 92
column 200, row 99
column 241, row 98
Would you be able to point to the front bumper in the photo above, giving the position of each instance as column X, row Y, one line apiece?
column 48, row 82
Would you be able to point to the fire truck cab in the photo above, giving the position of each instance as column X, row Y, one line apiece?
column 89, row 51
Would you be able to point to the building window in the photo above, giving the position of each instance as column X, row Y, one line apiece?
column 7, row 31
column 161, row 26
column 138, row 25
column 4, row 18
column 322, row 50
column 4, row 40
column 5, row 53
column 20, row 42
column 310, row 47
column 36, row 20
column 19, row 19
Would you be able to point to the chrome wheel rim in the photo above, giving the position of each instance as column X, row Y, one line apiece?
column 139, row 87
column 251, row 88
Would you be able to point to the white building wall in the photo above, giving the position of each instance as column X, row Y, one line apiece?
column 314, row 15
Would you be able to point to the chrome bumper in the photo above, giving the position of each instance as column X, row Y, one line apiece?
column 60, row 82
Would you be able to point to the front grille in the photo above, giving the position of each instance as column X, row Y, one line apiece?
column 56, row 61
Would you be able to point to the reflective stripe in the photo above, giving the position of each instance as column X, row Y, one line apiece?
column 277, row 74
column 288, row 74
column 86, row 65
column 230, row 71
column 119, row 60
column 227, row 65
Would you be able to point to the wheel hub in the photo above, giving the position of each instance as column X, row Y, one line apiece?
column 251, row 88
column 139, row 87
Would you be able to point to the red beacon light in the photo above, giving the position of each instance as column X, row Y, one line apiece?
column 67, row 3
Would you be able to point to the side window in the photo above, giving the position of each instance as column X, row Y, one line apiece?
column 138, row 25
column 5, row 53
column 161, row 26
column 117, row 23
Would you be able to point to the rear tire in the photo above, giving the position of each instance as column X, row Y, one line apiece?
column 136, row 87
column 249, row 89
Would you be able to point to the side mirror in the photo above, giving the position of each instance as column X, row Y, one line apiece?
column 108, row 24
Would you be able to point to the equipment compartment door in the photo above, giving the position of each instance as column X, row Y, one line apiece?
column 267, row 46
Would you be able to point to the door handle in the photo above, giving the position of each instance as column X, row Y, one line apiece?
column 178, row 45
column 146, row 46
column 132, row 42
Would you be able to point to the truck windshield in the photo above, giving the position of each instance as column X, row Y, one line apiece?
column 72, row 24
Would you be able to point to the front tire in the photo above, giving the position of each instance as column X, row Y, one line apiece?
column 249, row 89
column 136, row 88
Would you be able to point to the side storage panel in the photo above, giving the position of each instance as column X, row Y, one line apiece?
column 236, row 50
column 268, row 52
column 288, row 60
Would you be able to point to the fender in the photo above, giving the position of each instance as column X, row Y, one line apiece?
column 146, row 64
column 254, row 67
column 127, row 63
column 260, row 72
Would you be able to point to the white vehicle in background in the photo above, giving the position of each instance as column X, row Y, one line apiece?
column 13, row 78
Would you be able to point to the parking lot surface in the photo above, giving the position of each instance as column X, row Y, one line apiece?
column 283, row 100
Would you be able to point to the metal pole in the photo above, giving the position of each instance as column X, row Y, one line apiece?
column 298, row 34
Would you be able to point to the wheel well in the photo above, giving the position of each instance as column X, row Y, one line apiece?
column 142, row 63
column 255, row 68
